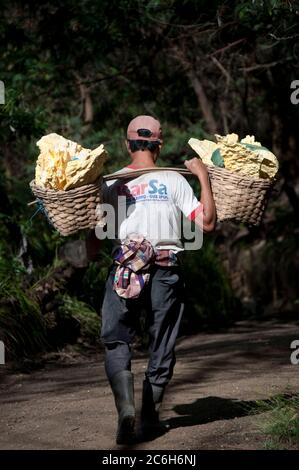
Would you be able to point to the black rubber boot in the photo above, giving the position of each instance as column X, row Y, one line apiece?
column 151, row 426
column 122, row 385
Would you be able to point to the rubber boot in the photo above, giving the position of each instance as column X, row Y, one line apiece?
column 152, row 396
column 122, row 385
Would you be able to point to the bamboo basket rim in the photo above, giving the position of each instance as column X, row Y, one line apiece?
column 60, row 192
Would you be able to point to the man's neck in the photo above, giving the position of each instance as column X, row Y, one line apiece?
column 142, row 159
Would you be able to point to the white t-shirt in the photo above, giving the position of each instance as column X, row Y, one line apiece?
column 152, row 205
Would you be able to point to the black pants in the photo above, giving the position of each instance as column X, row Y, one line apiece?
column 163, row 299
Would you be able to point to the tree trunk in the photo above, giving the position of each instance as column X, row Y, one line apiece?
column 196, row 83
column 203, row 102
column 87, row 104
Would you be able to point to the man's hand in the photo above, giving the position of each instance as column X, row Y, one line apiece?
column 197, row 167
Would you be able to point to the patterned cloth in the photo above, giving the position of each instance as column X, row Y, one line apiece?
column 134, row 258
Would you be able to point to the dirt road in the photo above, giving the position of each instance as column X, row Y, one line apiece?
column 216, row 377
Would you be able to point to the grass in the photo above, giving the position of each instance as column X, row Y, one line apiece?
column 87, row 317
column 280, row 421
column 22, row 326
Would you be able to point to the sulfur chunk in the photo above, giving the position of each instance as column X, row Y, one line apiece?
column 63, row 164
column 237, row 157
column 246, row 157
column 204, row 148
column 85, row 170
column 250, row 139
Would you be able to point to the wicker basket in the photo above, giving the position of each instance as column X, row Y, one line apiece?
column 239, row 197
column 72, row 210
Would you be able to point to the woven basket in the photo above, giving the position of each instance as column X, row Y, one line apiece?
column 72, row 210
column 239, row 197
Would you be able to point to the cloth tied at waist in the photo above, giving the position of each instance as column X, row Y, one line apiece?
column 134, row 258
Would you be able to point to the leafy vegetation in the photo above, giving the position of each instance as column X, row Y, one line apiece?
column 280, row 422
column 21, row 323
column 86, row 316
column 83, row 70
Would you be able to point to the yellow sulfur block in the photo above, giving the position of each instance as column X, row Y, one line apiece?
column 63, row 164
column 246, row 157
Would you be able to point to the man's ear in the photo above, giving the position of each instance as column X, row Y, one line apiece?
column 127, row 145
column 159, row 150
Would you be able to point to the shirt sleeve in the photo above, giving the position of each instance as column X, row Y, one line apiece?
column 185, row 198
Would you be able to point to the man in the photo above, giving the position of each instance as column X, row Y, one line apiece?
column 148, row 235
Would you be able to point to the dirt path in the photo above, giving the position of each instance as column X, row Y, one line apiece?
column 71, row 406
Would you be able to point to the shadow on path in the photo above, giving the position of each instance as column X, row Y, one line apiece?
column 209, row 409
column 205, row 410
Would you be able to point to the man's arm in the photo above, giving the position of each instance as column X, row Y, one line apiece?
column 207, row 219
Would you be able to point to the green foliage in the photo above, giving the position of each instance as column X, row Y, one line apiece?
column 210, row 300
column 93, row 282
column 280, row 421
column 18, row 118
column 145, row 57
column 175, row 147
column 87, row 317
column 21, row 324
column 256, row 12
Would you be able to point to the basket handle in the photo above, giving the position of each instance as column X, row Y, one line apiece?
column 141, row 171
